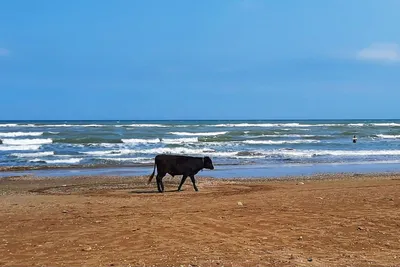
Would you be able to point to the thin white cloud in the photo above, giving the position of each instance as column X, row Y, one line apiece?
column 4, row 52
column 386, row 52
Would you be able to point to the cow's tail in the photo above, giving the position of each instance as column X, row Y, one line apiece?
column 152, row 175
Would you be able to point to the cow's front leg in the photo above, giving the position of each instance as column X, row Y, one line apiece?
column 194, row 183
column 182, row 182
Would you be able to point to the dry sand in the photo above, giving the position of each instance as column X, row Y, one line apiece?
column 333, row 220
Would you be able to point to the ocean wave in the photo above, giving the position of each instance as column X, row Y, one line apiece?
column 356, row 124
column 70, row 125
column 18, row 134
column 390, row 124
column 260, row 125
column 16, row 125
column 175, row 150
column 9, row 125
column 57, row 161
column 153, row 151
column 387, row 136
column 27, row 141
column 341, row 153
column 29, row 155
column 87, row 140
column 140, row 141
column 271, row 142
column 285, row 153
column 288, row 125
column 180, row 140
column 279, row 135
column 159, row 140
column 133, row 160
column 144, row 125
column 198, row 134
column 102, row 152
column 301, row 125
column 19, row 148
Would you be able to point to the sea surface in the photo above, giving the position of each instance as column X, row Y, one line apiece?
column 248, row 143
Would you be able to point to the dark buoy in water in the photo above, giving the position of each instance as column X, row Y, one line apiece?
column 354, row 139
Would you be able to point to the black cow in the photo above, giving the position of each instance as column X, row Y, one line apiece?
column 179, row 165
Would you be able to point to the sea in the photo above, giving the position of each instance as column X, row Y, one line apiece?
column 232, row 145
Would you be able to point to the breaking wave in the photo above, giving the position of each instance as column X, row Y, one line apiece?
column 17, row 148
column 141, row 141
column 198, row 134
column 57, row 161
column 271, row 142
column 160, row 140
column 132, row 160
column 87, row 140
column 37, row 154
column 18, row 134
column 386, row 136
column 19, row 142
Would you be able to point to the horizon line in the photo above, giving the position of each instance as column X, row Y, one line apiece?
column 337, row 119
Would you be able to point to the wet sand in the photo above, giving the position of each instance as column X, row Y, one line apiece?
column 327, row 220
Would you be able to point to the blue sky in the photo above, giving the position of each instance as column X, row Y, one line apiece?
column 206, row 59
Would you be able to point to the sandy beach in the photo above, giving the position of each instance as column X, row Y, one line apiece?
column 325, row 220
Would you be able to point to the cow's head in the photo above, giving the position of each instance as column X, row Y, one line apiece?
column 208, row 163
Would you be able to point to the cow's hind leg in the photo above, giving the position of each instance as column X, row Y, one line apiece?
column 194, row 182
column 160, row 185
column 182, row 182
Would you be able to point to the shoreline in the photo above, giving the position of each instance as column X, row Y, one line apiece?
column 221, row 171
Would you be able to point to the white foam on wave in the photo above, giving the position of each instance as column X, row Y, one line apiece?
column 102, row 153
column 261, row 125
column 65, row 125
column 160, row 150
column 288, row 135
column 134, row 160
column 141, row 141
column 143, row 125
column 390, row 124
column 174, row 150
column 17, row 125
column 356, row 124
column 288, row 125
column 164, row 140
column 27, row 141
column 18, row 134
column 300, row 125
column 19, row 148
column 341, row 153
column 387, row 136
column 271, row 142
column 106, row 145
column 29, row 155
column 198, row 134
column 57, row 161
column 180, row 140
column 9, row 125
